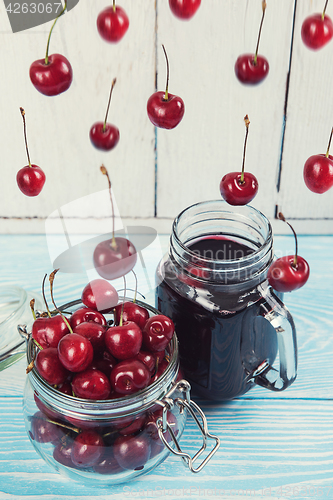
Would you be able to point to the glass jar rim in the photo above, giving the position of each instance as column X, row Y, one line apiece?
column 86, row 409
column 237, row 210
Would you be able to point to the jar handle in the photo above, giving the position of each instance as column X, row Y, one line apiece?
column 281, row 320
column 163, row 426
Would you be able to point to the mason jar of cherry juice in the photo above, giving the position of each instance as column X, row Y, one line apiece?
column 233, row 330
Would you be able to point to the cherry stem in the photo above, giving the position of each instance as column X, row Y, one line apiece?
column 114, row 5
column 122, row 307
column 51, row 280
column 166, row 95
column 247, row 123
column 281, row 217
column 32, row 307
column 329, row 144
column 259, row 35
column 105, row 172
column 136, row 286
column 25, row 135
column 37, row 344
column 49, row 38
column 107, row 109
column 323, row 14
column 45, row 302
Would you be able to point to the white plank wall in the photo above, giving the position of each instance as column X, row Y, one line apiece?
column 191, row 159
column 309, row 121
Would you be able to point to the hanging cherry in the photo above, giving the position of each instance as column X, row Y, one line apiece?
column 251, row 69
column 290, row 272
column 117, row 256
column 239, row 188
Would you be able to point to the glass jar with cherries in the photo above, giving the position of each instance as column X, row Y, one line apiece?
column 112, row 440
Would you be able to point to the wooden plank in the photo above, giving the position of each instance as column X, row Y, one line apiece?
column 310, row 306
column 309, row 122
column 208, row 143
column 58, row 127
column 283, row 448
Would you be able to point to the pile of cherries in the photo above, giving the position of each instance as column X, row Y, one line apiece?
column 87, row 358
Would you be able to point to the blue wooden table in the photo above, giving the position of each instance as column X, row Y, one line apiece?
column 273, row 445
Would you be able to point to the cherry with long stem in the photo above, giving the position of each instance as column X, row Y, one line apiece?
column 290, row 272
column 318, row 171
column 165, row 110
column 252, row 69
column 31, row 178
column 103, row 135
column 117, row 256
column 53, row 74
column 317, row 30
column 239, row 188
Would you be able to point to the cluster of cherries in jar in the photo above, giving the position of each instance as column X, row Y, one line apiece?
column 87, row 358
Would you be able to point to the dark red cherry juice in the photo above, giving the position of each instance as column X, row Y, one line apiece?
column 222, row 335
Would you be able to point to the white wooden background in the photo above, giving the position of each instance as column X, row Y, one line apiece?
column 290, row 118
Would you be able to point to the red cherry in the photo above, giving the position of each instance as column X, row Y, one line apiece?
column 52, row 78
column 84, row 315
column 104, row 362
column 239, row 188
column 48, row 365
column 87, row 450
column 104, row 138
column 251, row 69
column 30, row 180
column 317, row 31
column 236, row 192
column 162, row 365
column 112, row 24
column 108, row 464
column 165, row 110
column 100, row 295
column 132, row 452
column 124, row 341
column 94, row 332
column 114, row 258
column 75, row 352
column 283, row 276
column 148, row 359
column 318, row 173
column 48, row 331
column 290, row 272
column 157, row 333
column 130, row 425
column 91, row 384
column 184, row 9
column 43, row 431
column 131, row 312
column 250, row 73
column 129, row 376
column 62, row 453
column 165, row 113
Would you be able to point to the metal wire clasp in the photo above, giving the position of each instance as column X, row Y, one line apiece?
column 163, row 425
